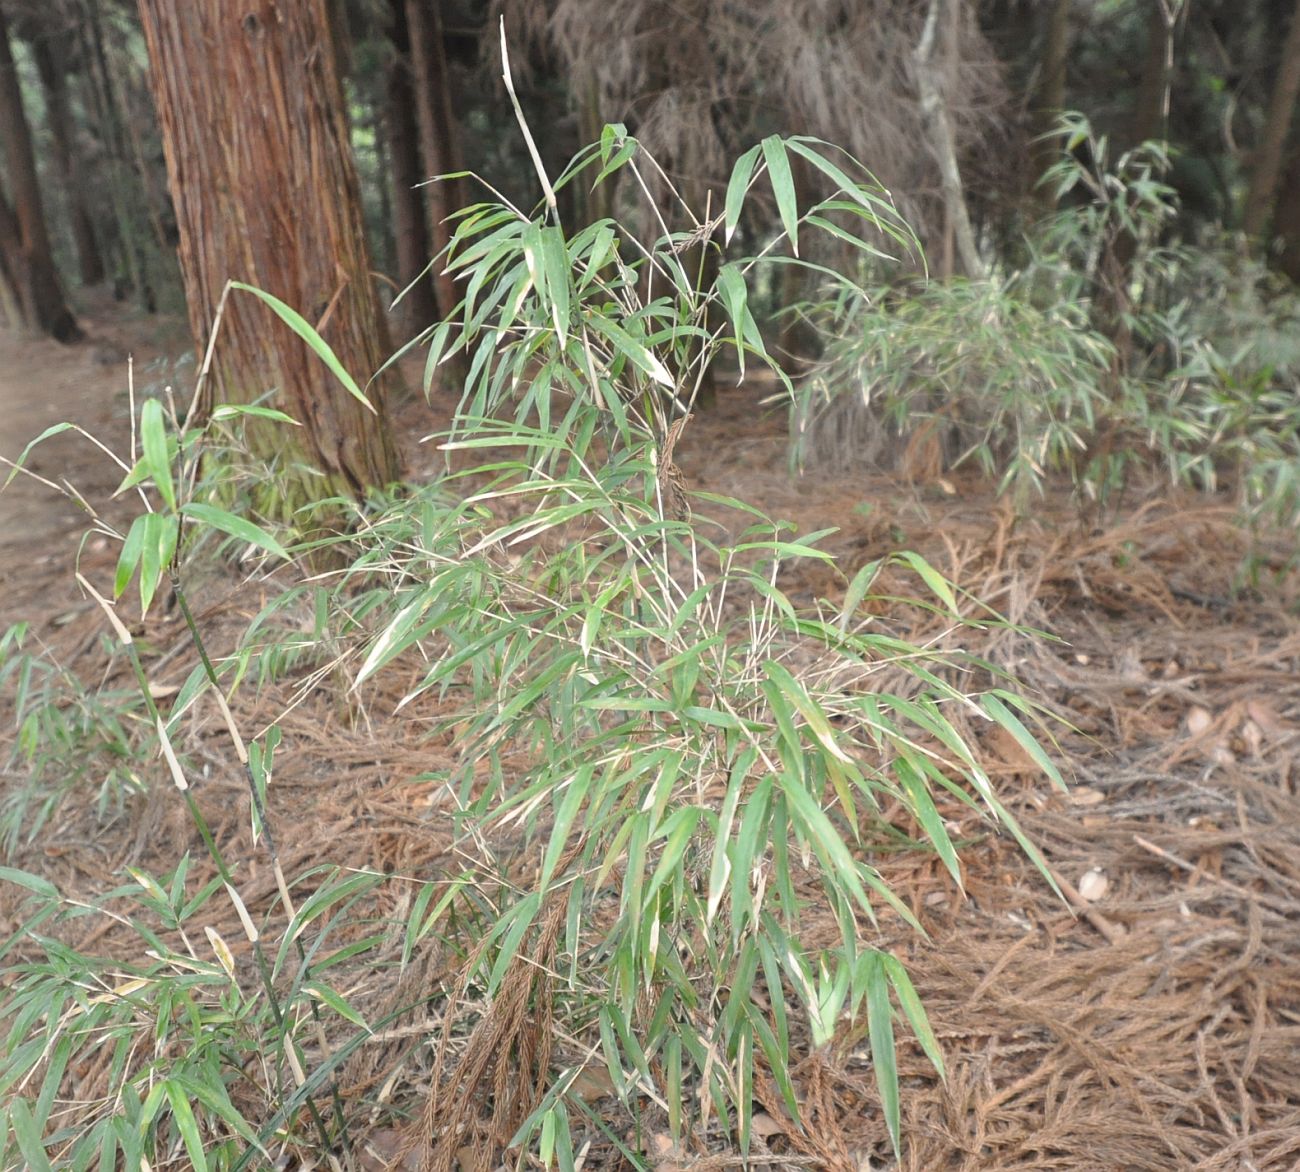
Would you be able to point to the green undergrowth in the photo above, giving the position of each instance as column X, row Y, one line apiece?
column 1179, row 363
column 696, row 769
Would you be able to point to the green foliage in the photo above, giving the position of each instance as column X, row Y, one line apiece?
column 701, row 764
column 189, row 1053
column 1079, row 362
column 68, row 738
column 1015, row 388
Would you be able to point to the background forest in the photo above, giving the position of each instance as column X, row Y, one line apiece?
column 844, row 423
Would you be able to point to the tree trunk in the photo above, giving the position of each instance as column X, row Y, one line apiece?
column 1268, row 157
column 29, row 261
column 1151, row 112
column 438, row 143
column 1049, row 94
column 943, row 142
column 410, row 228
column 1286, row 220
column 128, row 269
column 261, row 172
column 50, row 52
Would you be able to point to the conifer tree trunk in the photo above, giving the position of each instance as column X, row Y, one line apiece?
column 50, row 52
column 438, row 142
column 261, row 173
column 1281, row 109
column 24, row 239
column 410, row 227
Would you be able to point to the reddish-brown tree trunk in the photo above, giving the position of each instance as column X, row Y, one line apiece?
column 1268, row 157
column 261, row 173
column 410, row 227
column 24, row 238
column 438, row 142
column 50, row 51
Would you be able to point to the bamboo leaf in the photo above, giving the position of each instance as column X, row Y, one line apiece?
column 778, row 172
column 880, row 1029
column 300, row 326
column 737, row 188
column 153, row 443
column 187, row 1125
column 236, row 527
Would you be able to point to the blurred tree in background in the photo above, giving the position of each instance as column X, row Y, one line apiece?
column 947, row 102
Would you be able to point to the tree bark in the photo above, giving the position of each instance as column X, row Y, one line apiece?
column 438, row 141
column 128, row 267
column 410, row 227
column 1286, row 220
column 1268, row 157
column 261, row 172
column 25, row 240
column 1151, row 113
column 943, row 142
column 50, row 52
column 1049, row 93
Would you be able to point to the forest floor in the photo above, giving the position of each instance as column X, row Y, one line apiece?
column 1156, row 1027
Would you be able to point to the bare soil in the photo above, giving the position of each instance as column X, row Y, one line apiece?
column 1153, row 1027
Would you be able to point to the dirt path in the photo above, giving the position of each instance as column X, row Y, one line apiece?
column 43, row 383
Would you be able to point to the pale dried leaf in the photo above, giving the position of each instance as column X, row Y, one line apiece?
column 1093, row 885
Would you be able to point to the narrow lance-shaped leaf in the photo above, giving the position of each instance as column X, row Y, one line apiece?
column 321, row 348
column 737, row 189
column 236, row 527
column 153, row 442
column 778, row 172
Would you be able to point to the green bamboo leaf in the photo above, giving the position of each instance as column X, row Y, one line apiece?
column 680, row 826
column 735, row 297
column 153, row 444
column 128, row 561
column 720, row 868
column 517, row 920
column 322, row 992
column 813, row 824
column 737, row 188
column 856, row 592
column 33, row 883
column 186, row 1124
column 559, row 275
column 913, row 1010
column 880, row 1030
column 995, row 703
column 52, row 430
column 579, row 788
column 216, row 1100
column 240, row 410
column 631, row 349
column 328, row 895
column 880, row 207
column 926, row 813
column 158, row 545
column 236, row 527
column 778, row 172
column 628, row 147
column 813, row 716
column 750, row 842
column 300, row 326
column 937, row 583
column 28, row 1136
